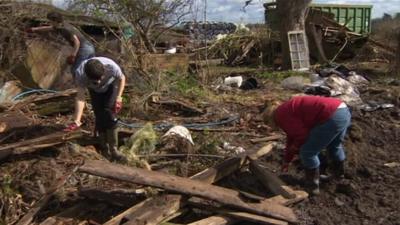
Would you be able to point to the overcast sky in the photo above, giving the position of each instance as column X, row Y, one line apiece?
column 231, row 10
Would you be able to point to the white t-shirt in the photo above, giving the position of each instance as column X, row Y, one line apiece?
column 112, row 73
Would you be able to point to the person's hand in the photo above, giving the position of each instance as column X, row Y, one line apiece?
column 29, row 30
column 285, row 167
column 72, row 127
column 118, row 105
column 71, row 59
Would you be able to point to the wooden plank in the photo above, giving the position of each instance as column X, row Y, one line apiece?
column 239, row 216
column 266, row 139
column 266, row 149
column 160, row 205
column 254, row 218
column 118, row 197
column 279, row 199
column 209, row 175
column 186, row 186
column 215, row 220
column 31, row 145
column 49, row 221
column 269, row 180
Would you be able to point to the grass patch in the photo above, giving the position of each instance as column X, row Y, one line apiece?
column 187, row 86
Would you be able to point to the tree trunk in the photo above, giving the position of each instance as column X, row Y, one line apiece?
column 292, row 16
column 397, row 67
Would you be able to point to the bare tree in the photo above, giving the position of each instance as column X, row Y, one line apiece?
column 292, row 15
column 149, row 18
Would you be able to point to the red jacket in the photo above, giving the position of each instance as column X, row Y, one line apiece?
column 299, row 115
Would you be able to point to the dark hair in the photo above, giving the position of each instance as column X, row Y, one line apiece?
column 94, row 69
column 55, row 16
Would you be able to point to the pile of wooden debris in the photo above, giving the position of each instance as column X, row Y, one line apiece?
column 53, row 186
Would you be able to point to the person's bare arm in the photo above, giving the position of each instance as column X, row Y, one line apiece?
column 77, row 45
column 42, row 28
column 121, row 87
column 79, row 105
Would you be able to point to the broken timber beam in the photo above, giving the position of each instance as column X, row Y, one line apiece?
column 155, row 215
column 32, row 145
column 186, row 186
column 230, row 216
column 269, row 180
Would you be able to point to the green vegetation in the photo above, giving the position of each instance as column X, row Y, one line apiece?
column 6, row 188
column 186, row 86
column 280, row 75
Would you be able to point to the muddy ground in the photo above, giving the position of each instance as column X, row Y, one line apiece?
column 369, row 195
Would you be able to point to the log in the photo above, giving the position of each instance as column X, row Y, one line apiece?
column 31, row 145
column 52, row 108
column 14, row 120
column 269, row 180
column 209, row 175
column 182, row 185
column 38, row 100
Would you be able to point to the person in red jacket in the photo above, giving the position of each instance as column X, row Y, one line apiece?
column 312, row 124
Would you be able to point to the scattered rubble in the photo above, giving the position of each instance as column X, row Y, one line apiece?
column 203, row 159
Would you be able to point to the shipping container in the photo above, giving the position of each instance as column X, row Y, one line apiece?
column 356, row 17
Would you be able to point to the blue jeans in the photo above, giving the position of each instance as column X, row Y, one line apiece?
column 329, row 135
column 85, row 51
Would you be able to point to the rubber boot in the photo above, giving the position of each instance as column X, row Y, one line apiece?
column 112, row 139
column 312, row 181
column 104, row 149
column 338, row 169
column 323, row 175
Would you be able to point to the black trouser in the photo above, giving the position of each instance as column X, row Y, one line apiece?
column 85, row 51
column 103, row 107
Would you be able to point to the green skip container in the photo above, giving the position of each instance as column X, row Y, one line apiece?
column 356, row 17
